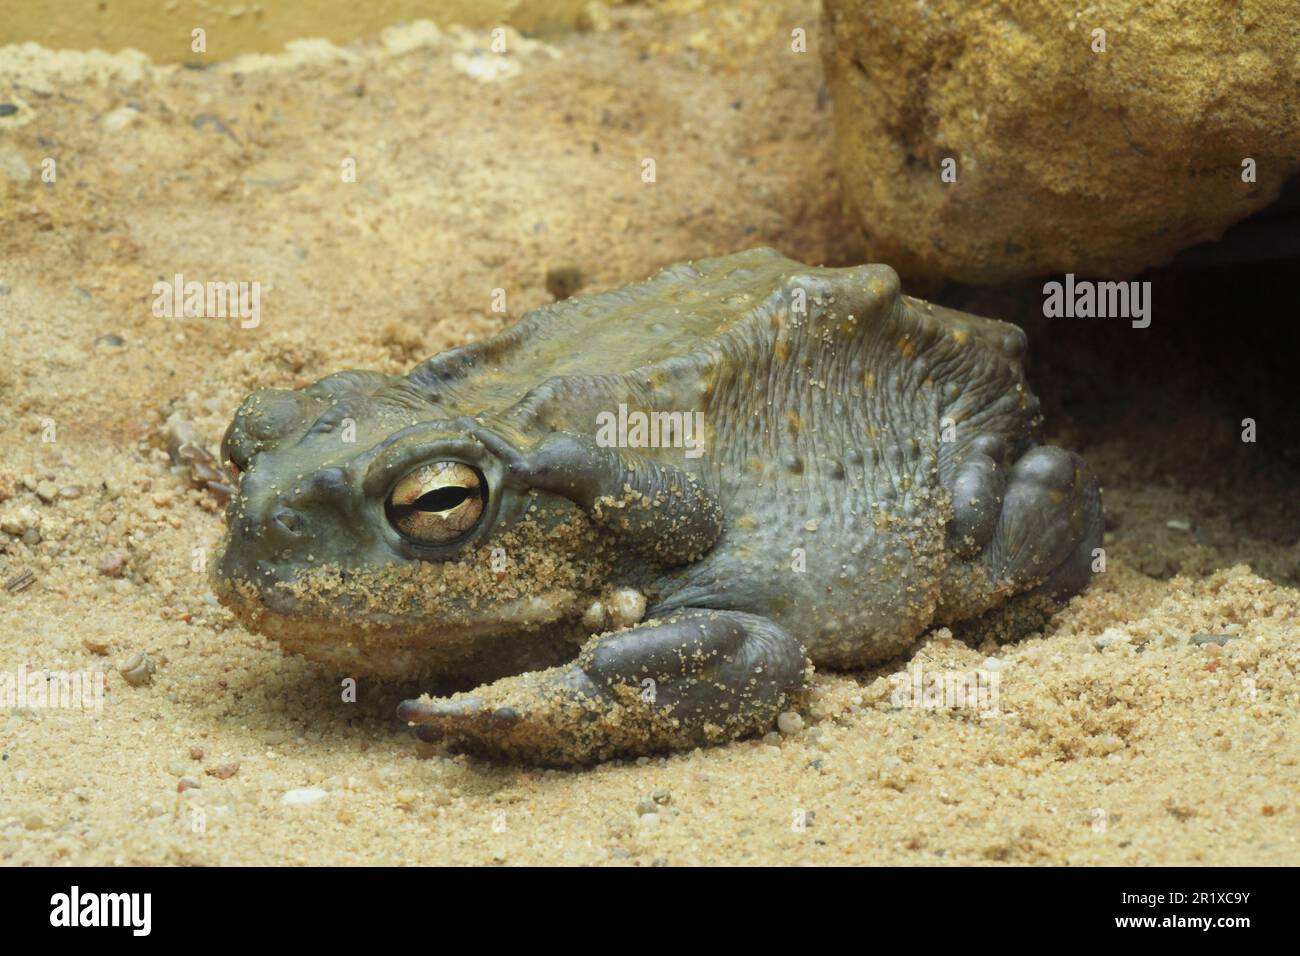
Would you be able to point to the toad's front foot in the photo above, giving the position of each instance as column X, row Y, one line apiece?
column 698, row 676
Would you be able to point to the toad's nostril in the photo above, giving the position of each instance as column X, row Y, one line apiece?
column 289, row 521
column 326, row 484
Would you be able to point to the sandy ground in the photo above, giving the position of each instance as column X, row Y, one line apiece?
column 1115, row 739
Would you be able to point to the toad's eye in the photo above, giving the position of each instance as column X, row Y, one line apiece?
column 437, row 503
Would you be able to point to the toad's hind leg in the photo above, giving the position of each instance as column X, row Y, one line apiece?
column 1033, row 527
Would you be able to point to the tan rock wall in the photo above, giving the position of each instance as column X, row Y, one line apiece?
column 1067, row 158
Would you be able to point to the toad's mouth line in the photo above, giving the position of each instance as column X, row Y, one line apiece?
column 389, row 646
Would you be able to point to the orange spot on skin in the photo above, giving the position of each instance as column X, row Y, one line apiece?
column 793, row 420
column 782, row 350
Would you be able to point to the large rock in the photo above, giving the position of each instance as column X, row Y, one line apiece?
column 1067, row 159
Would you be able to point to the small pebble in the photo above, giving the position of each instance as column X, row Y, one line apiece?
column 593, row 619
column 563, row 281
column 1178, row 524
column 138, row 671
column 303, row 796
column 119, row 119
column 1201, row 640
column 187, row 783
column 1112, row 636
column 96, row 644
column 223, row 771
column 626, row 607
column 663, row 796
column 789, row 722
column 646, row 806
column 113, row 565
column 19, row 521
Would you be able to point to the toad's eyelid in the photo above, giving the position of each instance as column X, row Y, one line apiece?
column 405, row 449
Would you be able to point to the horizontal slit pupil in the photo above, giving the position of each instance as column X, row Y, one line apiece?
column 441, row 499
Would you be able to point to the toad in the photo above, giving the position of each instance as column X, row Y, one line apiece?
column 807, row 468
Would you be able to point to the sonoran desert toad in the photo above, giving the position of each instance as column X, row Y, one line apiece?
column 833, row 468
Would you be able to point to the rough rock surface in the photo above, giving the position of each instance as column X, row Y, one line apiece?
column 1067, row 159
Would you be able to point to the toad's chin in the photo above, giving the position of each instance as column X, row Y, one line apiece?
column 393, row 648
